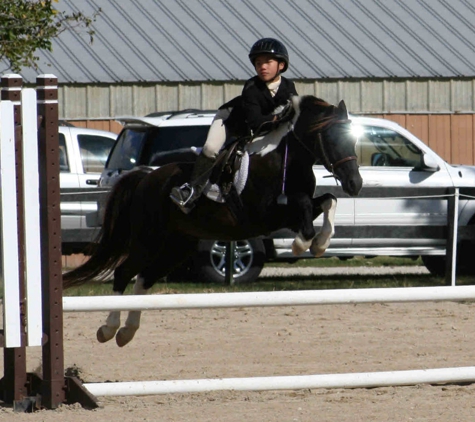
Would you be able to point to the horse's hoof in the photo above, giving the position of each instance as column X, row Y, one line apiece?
column 124, row 336
column 295, row 249
column 105, row 333
column 317, row 252
column 319, row 246
column 299, row 245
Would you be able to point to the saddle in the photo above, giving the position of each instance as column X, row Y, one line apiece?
column 230, row 160
column 224, row 174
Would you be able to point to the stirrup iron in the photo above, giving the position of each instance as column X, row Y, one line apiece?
column 179, row 200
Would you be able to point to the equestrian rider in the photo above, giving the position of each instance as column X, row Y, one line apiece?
column 264, row 102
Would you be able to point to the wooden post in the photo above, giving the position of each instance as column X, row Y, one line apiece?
column 53, row 393
column 55, row 387
column 14, row 382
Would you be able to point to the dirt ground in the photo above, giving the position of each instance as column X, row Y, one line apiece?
column 269, row 342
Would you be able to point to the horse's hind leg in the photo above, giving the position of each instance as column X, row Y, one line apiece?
column 132, row 323
column 108, row 330
column 177, row 250
column 322, row 240
column 122, row 276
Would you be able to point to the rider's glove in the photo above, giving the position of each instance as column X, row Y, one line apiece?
column 284, row 112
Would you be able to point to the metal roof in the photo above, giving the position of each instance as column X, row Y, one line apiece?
column 208, row 40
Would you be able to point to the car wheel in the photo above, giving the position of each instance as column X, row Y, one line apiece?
column 465, row 264
column 435, row 264
column 210, row 261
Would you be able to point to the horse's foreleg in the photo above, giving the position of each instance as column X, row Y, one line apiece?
column 300, row 244
column 322, row 240
column 306, row 233
column 132, row 323
column 108, row 330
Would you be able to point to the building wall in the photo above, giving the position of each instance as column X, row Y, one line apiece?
column 440, row 112
column 85, row 102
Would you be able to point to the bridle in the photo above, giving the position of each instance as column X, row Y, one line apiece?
column 331, row 167
column 327, row 163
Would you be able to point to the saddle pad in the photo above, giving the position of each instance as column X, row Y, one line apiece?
column 213, row 192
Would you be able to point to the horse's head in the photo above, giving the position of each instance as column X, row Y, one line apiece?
column 325, row 131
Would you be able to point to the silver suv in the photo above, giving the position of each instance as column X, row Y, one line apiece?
column 82, row 155
column 401, row 210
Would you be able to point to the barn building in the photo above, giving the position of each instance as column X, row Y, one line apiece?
column 412, row 61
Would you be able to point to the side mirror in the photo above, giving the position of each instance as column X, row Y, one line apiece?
column 428, row 163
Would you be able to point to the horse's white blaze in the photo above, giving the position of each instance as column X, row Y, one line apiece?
column 300, row 245
column 132, row 323
column 322, row 239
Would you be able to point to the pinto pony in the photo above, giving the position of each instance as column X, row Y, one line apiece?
column 145, row 235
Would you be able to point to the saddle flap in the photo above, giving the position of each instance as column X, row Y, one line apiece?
column 228, row 163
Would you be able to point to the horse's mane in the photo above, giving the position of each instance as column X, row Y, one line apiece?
column 328, row 109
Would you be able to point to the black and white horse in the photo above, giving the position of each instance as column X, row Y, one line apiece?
column 145, row 235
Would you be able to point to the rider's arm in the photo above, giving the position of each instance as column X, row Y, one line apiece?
column 253, row 108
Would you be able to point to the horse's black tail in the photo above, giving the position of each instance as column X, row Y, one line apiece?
column 113, row 240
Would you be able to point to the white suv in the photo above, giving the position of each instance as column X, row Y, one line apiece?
column 401, row 210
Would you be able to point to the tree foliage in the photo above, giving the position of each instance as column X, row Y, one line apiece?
column 27, row 26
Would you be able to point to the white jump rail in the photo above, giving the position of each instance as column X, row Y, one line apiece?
column 296, row 382
column 266, row 299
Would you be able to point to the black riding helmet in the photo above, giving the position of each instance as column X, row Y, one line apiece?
column 270, row 46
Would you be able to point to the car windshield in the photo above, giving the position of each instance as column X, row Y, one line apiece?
column 136, row 146
column 166, row 139
column 126, row 152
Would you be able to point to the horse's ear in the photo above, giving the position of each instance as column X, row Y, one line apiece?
column 342, row 109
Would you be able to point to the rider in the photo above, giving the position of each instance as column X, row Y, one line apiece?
column 264, row 102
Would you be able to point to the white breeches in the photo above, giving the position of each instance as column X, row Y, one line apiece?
column 217, row 134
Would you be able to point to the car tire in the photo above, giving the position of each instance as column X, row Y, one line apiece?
column 209, row 263
column 435, row 264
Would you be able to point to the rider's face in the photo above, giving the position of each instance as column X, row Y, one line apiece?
column 267, row 67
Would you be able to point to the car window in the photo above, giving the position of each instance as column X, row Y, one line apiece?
column 94, row 152
column 381, row 147
column 63, row 155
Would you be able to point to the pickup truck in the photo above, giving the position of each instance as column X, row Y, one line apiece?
column 82, row 156
column 402, row 209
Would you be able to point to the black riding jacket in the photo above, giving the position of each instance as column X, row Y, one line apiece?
column 258, row 103
column 255, row 105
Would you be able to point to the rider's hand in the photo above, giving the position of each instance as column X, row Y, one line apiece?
column 284, row 112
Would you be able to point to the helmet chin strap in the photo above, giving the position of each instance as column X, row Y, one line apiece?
column 277, row 75
column 279, row 71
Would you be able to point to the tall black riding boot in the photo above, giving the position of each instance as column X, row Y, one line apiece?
column 186, row 195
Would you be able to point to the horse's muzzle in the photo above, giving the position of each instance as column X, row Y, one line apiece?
column 353, row 184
